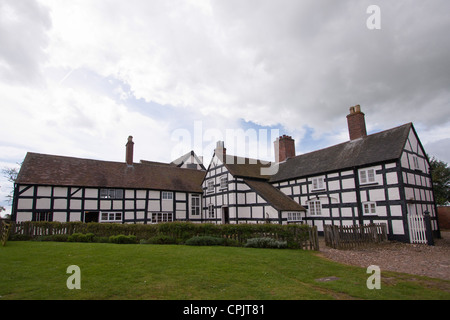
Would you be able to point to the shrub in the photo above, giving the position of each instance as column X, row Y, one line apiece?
column 205, row 241
column 54, row 237
column 265, row 243
column 123, row 239
column 160, row 239
column 19, row 237
column 81, row 237
column 101, row 239
column 163, row 233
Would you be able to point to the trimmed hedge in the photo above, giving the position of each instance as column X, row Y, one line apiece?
column 294, row 235
column 123, row 239
column 205, row 241
column 81, row 237
column 161, row 239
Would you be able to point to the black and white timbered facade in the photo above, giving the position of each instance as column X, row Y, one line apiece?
column 55, row 188
column 234, row 191
column 382, row 177
column 378, row 182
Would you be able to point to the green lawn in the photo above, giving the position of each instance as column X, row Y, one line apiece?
column 37, row 270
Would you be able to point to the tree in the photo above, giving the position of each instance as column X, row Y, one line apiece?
column 441, row 181
column 11, row 175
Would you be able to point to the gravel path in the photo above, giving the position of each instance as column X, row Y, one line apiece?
column 424, row 260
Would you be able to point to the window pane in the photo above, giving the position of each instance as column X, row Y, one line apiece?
column 363, row 176
column 371, row 175
column 103, row 193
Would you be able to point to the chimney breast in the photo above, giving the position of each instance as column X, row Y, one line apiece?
column 129, row 151
column 284, row 148
column 356, row 123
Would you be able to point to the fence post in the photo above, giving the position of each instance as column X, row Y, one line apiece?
column 428, row 229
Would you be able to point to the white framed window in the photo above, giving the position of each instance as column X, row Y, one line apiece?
column 318, row 183
column 159, row 217
column 294, row 216
column 111, row 217
column 367, row 176
column 369, row 208
column 42, row 216
column 195, row 205
column 210, row 186
column 111, row 193
column 315, row 208
column 223, row 182
column 211, row 211
column 167, row 195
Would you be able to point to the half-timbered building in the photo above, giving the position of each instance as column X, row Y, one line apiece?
column 236, row 191
column 56, row 188
column 383, row 177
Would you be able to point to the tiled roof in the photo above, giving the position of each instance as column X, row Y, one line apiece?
column 273, row 196
column 246, row 167
column 375, row 148
column 251, row 171
column 45, row 169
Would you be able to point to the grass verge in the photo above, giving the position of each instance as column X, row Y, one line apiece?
column 37, row 270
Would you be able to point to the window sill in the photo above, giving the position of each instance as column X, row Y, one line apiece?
column 368, row 184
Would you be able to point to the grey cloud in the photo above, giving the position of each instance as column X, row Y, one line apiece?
column 321, row 58
column 23, row 38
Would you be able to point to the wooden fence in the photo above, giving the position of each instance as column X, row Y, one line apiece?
column 417, row 229
column 5, row 229
column 346, row 237
column 301, row 237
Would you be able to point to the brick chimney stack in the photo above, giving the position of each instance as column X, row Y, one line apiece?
column 220, row 151
column 284, row 148
column 129, row 151
column 356, row 123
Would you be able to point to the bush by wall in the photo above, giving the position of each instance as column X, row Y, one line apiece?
column 295, row 235
column 81, row 237
column 265, row 243
column 160, row 239
column 123, row 239
column 205, row 241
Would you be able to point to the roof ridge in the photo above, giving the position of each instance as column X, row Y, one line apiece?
column 349, row 141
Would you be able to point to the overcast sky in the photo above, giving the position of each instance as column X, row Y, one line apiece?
column 78, row 77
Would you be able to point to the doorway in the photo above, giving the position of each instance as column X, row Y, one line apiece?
column 225, row 215
column 91, row 216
